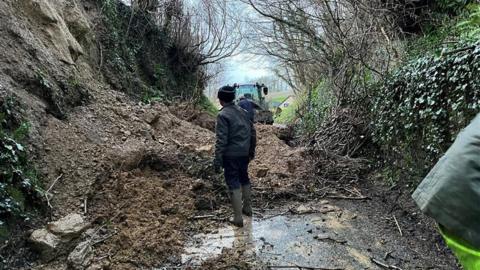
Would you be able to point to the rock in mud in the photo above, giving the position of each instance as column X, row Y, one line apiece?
column 68, row 227
column 97, row 266
column 45, row 242
column 262, row 172
column 150, row 117
column 198, row 185
column 205, row 149
column 81, row 256
column 302, row 209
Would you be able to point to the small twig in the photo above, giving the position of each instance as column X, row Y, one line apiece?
column 48, row 200
column 398, row 226
column 348, row 198
column 47, row 192
column 119, row 211
column 54, row 182
column 101, row 56
column 103, row 239
column 4, row 246
column 278, row 214
column 300, row 267
column 386, row 266
column 85, row 205
column 203, row 217
column 388, row 254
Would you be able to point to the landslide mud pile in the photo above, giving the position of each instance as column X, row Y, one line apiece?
column 141, row 176
column 278, row 169
column 131, row 170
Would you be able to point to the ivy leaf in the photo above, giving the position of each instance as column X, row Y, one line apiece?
column 19, row 147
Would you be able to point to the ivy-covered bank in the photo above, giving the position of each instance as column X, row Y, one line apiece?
column 420, row 107
column 20, row 193
column 423, row 105
column 145, row 59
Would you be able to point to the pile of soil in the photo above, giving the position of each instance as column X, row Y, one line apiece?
column 131, row 167
column 194, row 115
column 277, row 166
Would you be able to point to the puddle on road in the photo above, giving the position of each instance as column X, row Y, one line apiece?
column 314, row 240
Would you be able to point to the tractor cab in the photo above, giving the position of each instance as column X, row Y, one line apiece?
column 255, row 93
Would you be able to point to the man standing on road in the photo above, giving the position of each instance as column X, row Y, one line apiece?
column 234, row 148
column 246, row 104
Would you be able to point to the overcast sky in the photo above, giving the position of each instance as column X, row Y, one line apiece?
column 244, row 68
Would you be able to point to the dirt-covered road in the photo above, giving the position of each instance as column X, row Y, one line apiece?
column 301, row 222
column 142, row 177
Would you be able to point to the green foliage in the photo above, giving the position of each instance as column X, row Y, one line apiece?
column 151, row 94
column 287, row 115
column 454, row 6
column 315, row 106
column 206, row 104
column 43, row 81
column 280, row 98
column 422, row 106
column 432, row 42
column 19, row 188
column 142, row 59
column 445, row 33
column 308, row 110
column 4, row 232
column 119, row 55
column 470, row 26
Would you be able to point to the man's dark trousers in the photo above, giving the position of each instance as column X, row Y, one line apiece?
column 236, row 172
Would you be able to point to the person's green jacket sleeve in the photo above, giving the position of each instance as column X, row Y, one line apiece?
column 450, row 193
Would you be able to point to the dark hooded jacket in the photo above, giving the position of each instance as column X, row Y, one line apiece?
column 235, row 133
column 247, row 105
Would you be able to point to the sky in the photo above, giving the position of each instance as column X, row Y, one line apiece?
column 244, row 68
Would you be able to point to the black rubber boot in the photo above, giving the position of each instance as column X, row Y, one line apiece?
column 236, row 199
column 247, row 200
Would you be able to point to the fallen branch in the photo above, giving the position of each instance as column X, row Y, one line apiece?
column 54, row 182
column 312, row 211
column 386, row 266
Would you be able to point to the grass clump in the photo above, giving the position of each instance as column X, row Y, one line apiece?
column 207, row 105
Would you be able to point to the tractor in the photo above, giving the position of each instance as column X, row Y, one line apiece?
column 256, row 94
